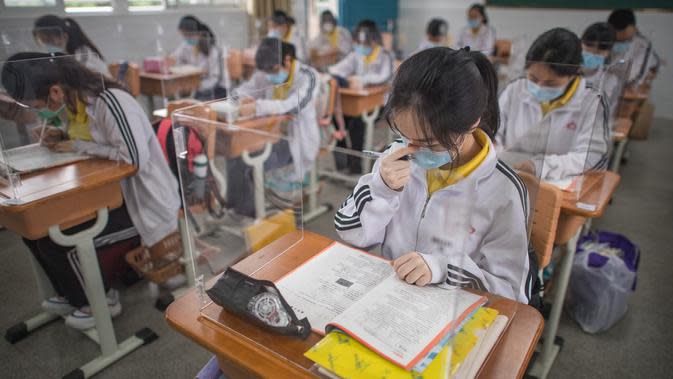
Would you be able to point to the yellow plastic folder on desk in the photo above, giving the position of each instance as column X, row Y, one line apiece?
column 347, row 358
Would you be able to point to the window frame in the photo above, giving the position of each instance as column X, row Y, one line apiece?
column 118, row 7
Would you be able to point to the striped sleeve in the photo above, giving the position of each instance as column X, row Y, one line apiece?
column 122, row 124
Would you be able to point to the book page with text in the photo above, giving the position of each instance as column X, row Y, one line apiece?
column 330, row 282
column 402, row 322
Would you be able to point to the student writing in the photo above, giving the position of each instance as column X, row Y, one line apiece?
column 552, row 114
column 99, row 118
column 332, row 36
column 478, row 34
column 199, row 48
column 369, row 64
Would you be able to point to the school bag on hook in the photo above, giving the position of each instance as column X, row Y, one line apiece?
column 603, row 277
column 195, row 168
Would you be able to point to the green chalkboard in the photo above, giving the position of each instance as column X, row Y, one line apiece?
column 584, row 4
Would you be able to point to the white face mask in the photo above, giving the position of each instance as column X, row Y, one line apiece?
column 328, row 27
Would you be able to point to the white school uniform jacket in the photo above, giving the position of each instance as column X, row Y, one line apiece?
column 344, row 42
column 577, row 133
column 301, row 102
column 642, row 56
column 380, row 71
column 121, row 131
column 216, row 72
column 611, row 85
column 92, row 61
column 471, row 233
column 297, row 39
column 483, row 41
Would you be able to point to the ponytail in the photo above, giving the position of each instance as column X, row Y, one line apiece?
column 490, row 119
column 54, row 26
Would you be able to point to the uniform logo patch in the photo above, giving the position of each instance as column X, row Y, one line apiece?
column 571, row 125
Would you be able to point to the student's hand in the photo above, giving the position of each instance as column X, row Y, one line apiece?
column 412, row 268
column 248, row 108
column 394, row 171
column 170, row 61
column 64, row 146
column 354, row 82
column 526, row 166
column 50, row 137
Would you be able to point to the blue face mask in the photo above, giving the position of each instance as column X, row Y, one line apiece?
column 192, row 41
column 278, row 78
column 544, row 94
column 51, row 49
column 275, row 33
column 362, row 50
column 428, row 159
column 473, row 24
column 621, row 47
column 592, row 61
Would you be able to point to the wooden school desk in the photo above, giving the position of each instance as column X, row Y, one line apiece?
column 168, row 85
column 365, row 103
column 247, row 351
column 322, row 59
column 620, row 137
column 58, row 198
column 595, row 194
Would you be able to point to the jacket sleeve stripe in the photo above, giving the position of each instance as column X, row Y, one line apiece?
column 122, row 123
column 125, row 121
column 465, row 274
column 309, row 95
column 518, row 184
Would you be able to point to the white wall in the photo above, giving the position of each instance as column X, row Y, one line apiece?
column 132, row 36
column 513, row 22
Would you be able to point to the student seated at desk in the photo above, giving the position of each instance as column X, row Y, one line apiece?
column 553, row 100
column 295, row 93
column 369, row 64
column 199, row 49
column 102, row 120
column 634, row 46
column 283, row 27
column 597, row 42
column 478, row 34
column 332, row 36
column 444, row 105
column 436, row 34
column 64, row 35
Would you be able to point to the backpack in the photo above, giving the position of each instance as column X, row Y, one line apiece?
column 194, row 190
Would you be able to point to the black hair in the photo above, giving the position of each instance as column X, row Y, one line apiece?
column 51, row 25
column 482, row 11
column 29, row 75
column 447, row 91
column 559, row 47
column 191, row 24
column 437, row 27
column 279, row 17
column 620, row 19
column 600, row 35
column 272, row 52
column 370, row 29
column 327, row 15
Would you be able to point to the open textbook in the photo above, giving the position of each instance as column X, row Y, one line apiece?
column 358, row 293
column 35, row 157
